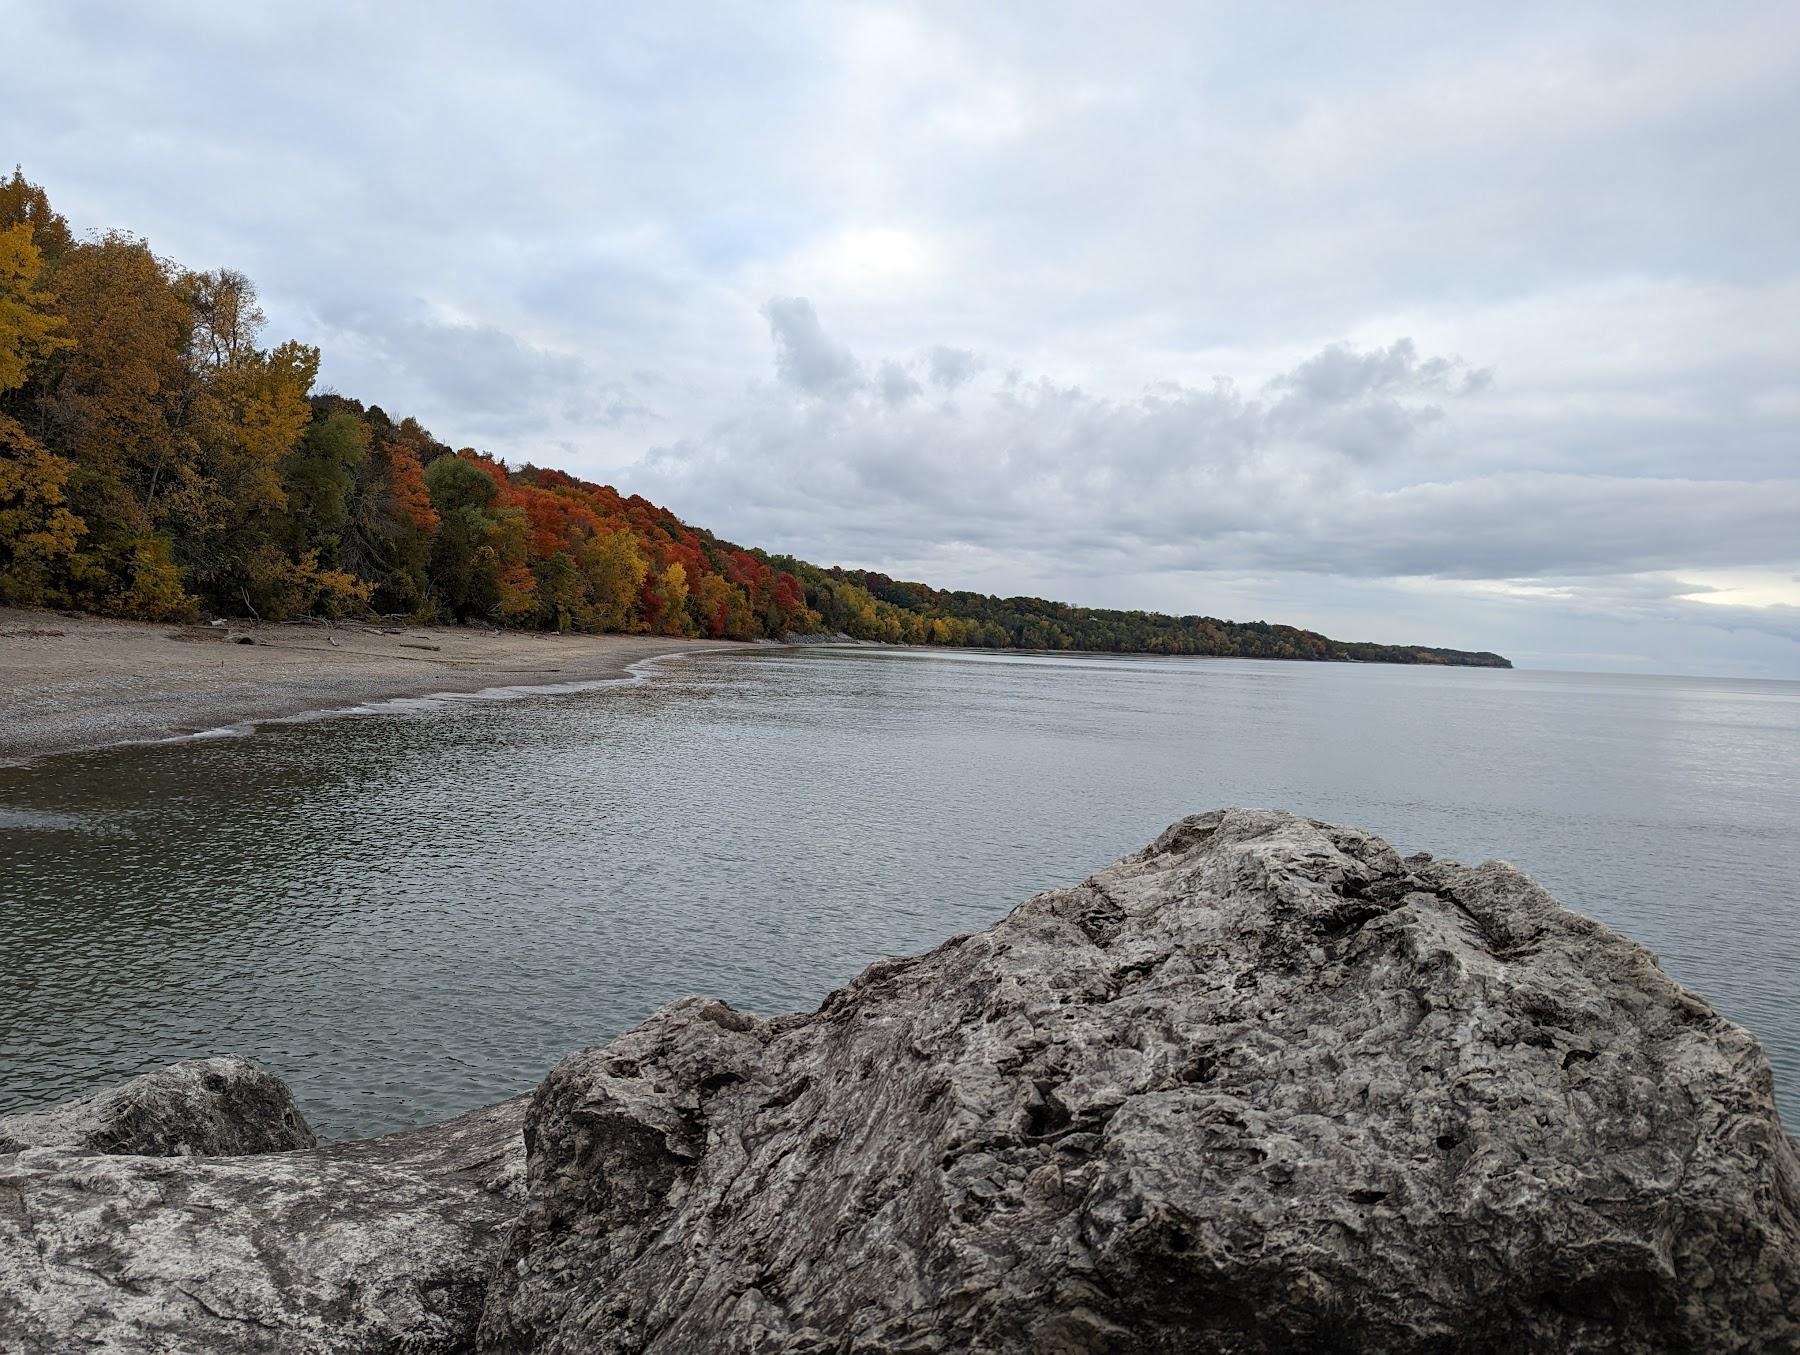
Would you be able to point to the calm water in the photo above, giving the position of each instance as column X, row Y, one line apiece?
column 410, row 913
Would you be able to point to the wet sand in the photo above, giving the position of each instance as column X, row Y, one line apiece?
column 74, row 682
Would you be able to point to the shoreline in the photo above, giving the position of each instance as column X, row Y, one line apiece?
column 76, row 683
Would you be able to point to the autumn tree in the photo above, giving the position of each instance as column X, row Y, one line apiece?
column 38, row 533
column 560, row 596
column 226, row 317
column 390, row 519
column 614, row 569
column 25, row 204
column 479, row 554
column 721, row 609
column 663, row 598
column 249, row 412
column 29, row 329
column 113, row 404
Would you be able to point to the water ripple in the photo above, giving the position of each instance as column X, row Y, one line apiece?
column 420, row 909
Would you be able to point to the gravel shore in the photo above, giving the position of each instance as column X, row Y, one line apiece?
column 72, row 682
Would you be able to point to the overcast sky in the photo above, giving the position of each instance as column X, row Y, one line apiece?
column 1463, row 325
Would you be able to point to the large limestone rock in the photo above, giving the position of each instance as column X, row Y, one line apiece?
column 381, row 1245
column 1262, row 1087
column 207, row 1107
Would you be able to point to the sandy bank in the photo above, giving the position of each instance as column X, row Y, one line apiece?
column 73, row 682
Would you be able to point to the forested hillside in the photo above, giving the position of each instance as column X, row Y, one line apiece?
column 157, row 461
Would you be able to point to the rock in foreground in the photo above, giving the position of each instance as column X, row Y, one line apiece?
column 1262, row 1087
column 381, row 1245
column 202, row 1107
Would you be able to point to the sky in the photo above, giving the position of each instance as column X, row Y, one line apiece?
column 1463, row 325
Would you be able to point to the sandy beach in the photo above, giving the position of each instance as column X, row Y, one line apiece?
column 73, row 682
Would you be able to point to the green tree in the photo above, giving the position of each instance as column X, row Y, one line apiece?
column 560, row 594
column 318, row 479
column 455, row 482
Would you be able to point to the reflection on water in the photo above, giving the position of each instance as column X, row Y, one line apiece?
column 420, row 909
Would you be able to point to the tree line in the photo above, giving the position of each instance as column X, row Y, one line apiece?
column 158, row 461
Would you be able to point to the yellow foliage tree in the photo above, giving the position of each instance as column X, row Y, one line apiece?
column 279, row 586
column 615, row 570
column 113, row 403
column 672, row 585
column 255, row 412
column 28, row 331
column 38, row 533
column 154, row 591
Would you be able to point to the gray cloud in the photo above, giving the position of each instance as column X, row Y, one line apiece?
column 1332, row 468
column 897, row 384
column 806, row 359
column 951, row 367
column 502, row 383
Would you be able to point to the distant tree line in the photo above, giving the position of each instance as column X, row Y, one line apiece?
column 873, row 606
column 157, row 461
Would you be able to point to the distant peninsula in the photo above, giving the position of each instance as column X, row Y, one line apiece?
column 157, row 463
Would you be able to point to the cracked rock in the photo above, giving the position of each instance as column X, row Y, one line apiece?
column 1261, row 1087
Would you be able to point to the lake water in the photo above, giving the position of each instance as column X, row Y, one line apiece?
column 409, row 913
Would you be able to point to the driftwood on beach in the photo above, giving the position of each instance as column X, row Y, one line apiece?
column 1264, row 1086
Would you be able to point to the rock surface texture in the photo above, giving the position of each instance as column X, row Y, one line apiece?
column 1262, row 1087
column 206, row 1107
column 381, row 1245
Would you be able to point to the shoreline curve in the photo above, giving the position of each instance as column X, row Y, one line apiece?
column 72, row 684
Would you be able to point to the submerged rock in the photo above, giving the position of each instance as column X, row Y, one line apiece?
column 1261, row 1087
column 380, row 1245
column 203, row 1107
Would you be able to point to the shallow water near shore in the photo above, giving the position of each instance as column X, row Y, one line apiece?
column 419, row 909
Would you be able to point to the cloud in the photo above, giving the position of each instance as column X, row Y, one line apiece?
column 1193, row 475
column 499, row 381
column 805, row 358
column 951, row 367
column 897, row 384
column 1333, row 468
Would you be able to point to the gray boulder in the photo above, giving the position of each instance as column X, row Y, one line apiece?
column 1262, row 1087
column 380, row 1245
column 202, row 1107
